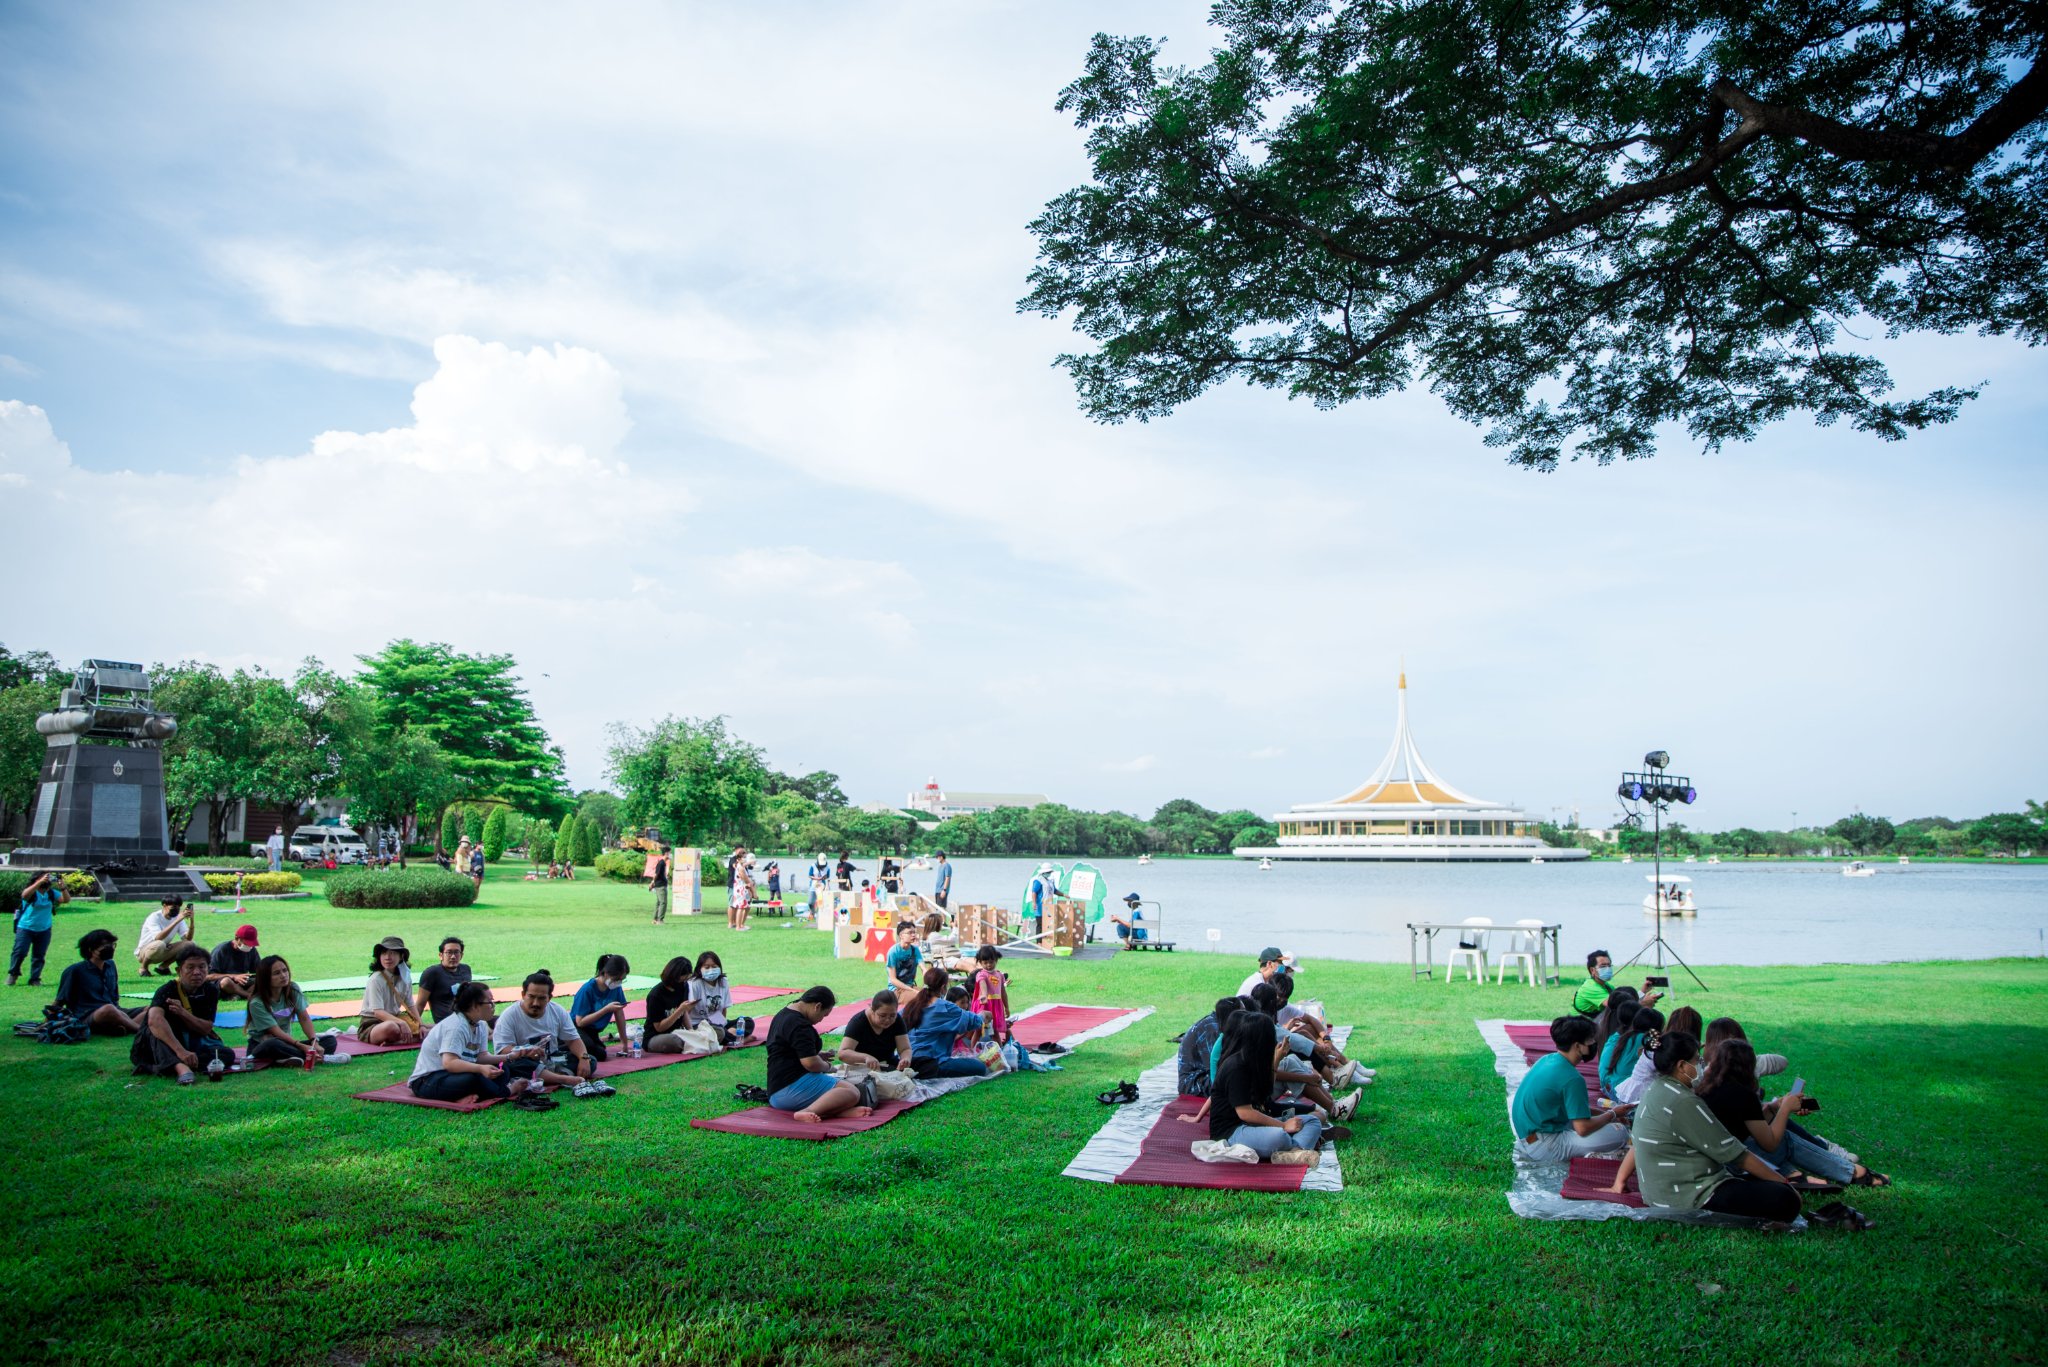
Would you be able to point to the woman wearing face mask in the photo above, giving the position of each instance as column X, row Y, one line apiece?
column 600, row 1002
column 710, row 995
column 1685, row 1157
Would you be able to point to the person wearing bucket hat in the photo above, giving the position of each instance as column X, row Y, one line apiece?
column 388, row 1016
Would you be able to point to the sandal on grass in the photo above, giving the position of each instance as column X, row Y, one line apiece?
column 1120, row 1095
column 1870, row 1179
column 1814, row 1186
column 1835, row 1215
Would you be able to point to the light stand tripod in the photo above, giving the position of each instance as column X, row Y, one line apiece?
column 1659, row 791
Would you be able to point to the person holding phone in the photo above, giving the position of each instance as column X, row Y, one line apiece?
column 1551, row 1113
column 1687, row 1160
column 33, row 922
column 1728, row 1085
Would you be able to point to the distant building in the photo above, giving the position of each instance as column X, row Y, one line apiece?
column 939, row 804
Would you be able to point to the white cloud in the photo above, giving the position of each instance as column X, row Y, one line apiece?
column 1130, row 766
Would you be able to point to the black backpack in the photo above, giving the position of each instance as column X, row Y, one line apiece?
column 58, row 1026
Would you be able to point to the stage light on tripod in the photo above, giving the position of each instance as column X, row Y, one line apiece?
column 1630, row 791
column 1657, row 759
column 1688, row 794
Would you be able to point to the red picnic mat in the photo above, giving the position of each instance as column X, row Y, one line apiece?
column 1060, row 1022
column 401, row 1094
column 1590, row 1178
column 351, row 1045
column 774, row 1124
column 619, row 1063
column 1534, row 1042
column 1166, row 1159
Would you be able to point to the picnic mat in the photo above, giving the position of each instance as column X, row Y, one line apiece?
column 771, row 1123
column 1145, row 1143
column 1534, row 1042
column 402, row 1094
column 1068, row 1026
column 1590, row 1178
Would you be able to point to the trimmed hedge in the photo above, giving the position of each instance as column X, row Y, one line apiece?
column 387, row 889
column 258, row 884
column 259, row 864
column 627, row 866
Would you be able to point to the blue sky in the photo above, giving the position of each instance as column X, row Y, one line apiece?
column 674, row 351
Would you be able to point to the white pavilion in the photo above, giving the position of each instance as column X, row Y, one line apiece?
column 1405, row 812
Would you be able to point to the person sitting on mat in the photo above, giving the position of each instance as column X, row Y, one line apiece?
column 800, row 1078
column 1240, row 1104
column 710, row 996
column 1641, row 1042
column 906, row 961
column 1617, row 1052
column 668, row 1008
column 935, row 1024
column 876, row 1037
column 1307, row 1040
column 232, row 965
column 1614, row 1017
column 388, row 1017
column 991, row 994
column 275, row 1001
column 1727, row 1027
column 1729, row 1087
column 91, row 988
column 1552, row 1116
column 438, row 984
column 540, row 1042
column 1687, row 1160
column 1197, row 1048
column 455, row 1060
column 1272, row 963
column 600, row 1002
column 178, row 1037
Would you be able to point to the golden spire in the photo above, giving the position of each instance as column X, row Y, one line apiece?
column 1404, row 676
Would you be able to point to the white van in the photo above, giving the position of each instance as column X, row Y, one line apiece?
column 314, row 843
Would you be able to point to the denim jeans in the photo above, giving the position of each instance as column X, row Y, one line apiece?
column 24, row 942
column 803, row 1092
column 1798, row 1153
column 1267, row 1140
column 958, row 1066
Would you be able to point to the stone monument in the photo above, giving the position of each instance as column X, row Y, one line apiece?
column 100, row 799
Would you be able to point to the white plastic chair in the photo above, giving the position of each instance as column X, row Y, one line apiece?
column 1473, row 958
column 1527, row 953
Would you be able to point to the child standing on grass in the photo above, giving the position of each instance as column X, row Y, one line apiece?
column 600, row 1001
column 992, row 992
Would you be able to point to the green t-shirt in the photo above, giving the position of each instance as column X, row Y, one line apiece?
column 1591, row 997
column 280, row 1015
column 1682, row 1150
column 1552, row 1095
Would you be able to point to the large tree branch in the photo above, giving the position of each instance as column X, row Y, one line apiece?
column 2023, row 102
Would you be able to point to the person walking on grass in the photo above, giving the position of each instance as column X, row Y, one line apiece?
column 942, row 881
column 658, row 880
column 800, row 1078
column 476, row 866
column 33, row 920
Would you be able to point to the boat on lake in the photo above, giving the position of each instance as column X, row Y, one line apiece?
column 1858, row 869
column 1670, row 897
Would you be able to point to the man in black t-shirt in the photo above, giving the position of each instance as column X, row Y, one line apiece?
column 800, row 1078
column 437, row 986
column 232, row 966
column 177, row 1036
column 876, row 1038
column 660, row 884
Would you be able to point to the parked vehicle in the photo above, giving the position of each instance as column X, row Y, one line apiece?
column 312, row 845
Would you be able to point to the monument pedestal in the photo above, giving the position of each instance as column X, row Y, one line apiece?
column 98, row 804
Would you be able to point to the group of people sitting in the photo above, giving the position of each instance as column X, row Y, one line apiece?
column 1268, row 1071
column 1686, row 1111
column 556, row 869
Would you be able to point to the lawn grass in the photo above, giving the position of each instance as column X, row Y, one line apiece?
column 272, row 1220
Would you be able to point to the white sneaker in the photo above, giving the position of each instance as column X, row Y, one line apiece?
column 337, row 1057
column 1346, row 1107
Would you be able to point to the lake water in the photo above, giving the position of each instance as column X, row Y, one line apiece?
column 1749, row 913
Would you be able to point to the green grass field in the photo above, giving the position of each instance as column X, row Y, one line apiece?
column 272, row 1220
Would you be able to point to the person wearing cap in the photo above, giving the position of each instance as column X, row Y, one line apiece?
column 1127, row 928
column 1044, row 887
column 388, row 1015
column 1272, row 963
column 165, row 933
column 234, row 962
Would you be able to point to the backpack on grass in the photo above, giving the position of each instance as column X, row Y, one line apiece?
column 58, row 1026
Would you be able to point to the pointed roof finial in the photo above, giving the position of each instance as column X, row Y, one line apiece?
column 1404, row 674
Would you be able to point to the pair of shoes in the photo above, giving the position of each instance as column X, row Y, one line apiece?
column 1835, row 1215
column 1122, row 1094
column 1870, row 1179
column 1347, row 1106
column 1051, row 1047
column 32, row 982
column 535, row 1101
column 337, row 1057
column 187, row 1079
column 591, row 1087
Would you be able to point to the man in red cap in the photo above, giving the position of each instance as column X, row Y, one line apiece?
column 232, row 966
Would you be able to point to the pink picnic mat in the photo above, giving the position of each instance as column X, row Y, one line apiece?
column 774, row 1124
column 401, row 1094
column 1590, row 1178
column 1060, row 1022
column 1166, row 1159
column 619, row 1063
column 1534, row 1042
column 351, row 1045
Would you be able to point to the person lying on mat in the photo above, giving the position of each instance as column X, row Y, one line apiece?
column 540, row 1042
column 800, row 1078
column 1687, row 1160
column 275, row 1002
column 178, row 1036
column 1729, row 1087
column 710, row 996
column 91, row 988
column 1240, row 1106
column 935, row 1025
column 441, row 981
column 668, row 1008
column 388, row 1015
column 455, row 1060
column 600, row 1002
column 877, row 1038
column 906, row 960
column 1552, row 1116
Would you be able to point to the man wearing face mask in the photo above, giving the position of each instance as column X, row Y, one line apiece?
column 1591, row 998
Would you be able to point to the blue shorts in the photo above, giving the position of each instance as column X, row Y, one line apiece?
column 803, row 1091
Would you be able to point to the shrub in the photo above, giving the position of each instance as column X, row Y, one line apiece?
column 494, row 835
column 540, row 842
column 711, row 871
column 387, row 889
column 256, row 884
column 626, row 866
column 259, row 864
column 565, row 842
column 589, row 842
column 473, row 821
column 451, row 829
column 12, row 881
column 81, row 884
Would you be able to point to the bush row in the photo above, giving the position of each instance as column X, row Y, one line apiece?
column 386, row 889
column 254, row 883
column 257, row 864
column 624, row 865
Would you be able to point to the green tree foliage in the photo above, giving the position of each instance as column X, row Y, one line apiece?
column 22, row 747
column 494, row 835
column 1579, row 223
column 782, row 815
column 588, row 840
column 30, row 667
column 819, row 787
column 237, row 739
column 565, row 842
column 605, row 809
column 473, row 819
column 540, row 841
column 1862, row 834
column 2006, row 832
column 695, row 780
column 395, row 776
column 451, row 829
column 475, row 709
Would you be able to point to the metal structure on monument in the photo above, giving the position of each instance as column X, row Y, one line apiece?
column 100, row 796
